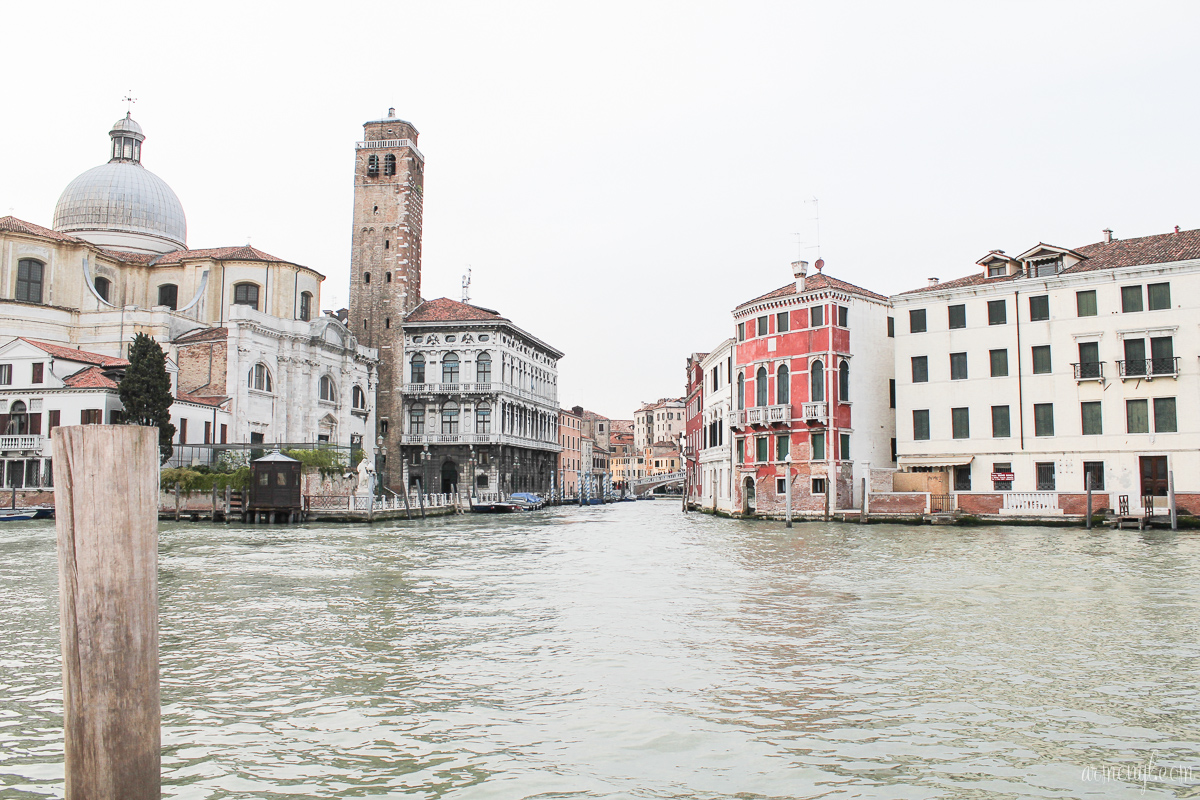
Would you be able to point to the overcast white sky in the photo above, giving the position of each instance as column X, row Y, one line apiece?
column 620, row 175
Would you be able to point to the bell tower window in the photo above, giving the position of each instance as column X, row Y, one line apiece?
column 373, row 166
column 389, row 164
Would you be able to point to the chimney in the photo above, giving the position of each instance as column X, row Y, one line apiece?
column 1177, row 229
column 932, row 283
column 1107, row 235
column 800, row 270
column 391, row 113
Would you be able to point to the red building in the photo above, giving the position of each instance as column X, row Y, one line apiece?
column 693, row 426
column 813, row 370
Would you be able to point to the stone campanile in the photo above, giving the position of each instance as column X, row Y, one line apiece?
column 385, row 260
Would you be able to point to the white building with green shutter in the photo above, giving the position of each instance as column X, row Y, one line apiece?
column 1036, row 370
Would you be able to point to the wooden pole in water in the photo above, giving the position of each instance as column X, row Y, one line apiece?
column 1171, row 503
column 228, row 500
column 1087, row 479
column 863, row 516
column 177, row 502
column 107, row 521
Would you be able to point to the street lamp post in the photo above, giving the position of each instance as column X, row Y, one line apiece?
column 787, row 466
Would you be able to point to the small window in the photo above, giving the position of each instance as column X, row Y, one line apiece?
column 103, row 286
column 844, row 444
column 1131, row 299
column 960, row 420
column 29, row 280
column 920, row 369
column 891, row 327
column 998, row 469
column 741, row 330
column 1137, row 416
column 387, row 322
column 372, row 165
column 1093, row 475
column 741, row 451
column 916, row 320
column 843, row 317
column 1001, row 423
column 962, row 479
column 37, row 373
column 762, row 326
column 844, row 381
column 1045, row 476
column 958, row 316
column 328, row 392
column 1043, row 419
column 781, row 447
column 999, row 359
column 389, row 164
column 260, row 378
column 1041, row 360
column 818, row 446
column 483, row 337
column 450, row 418
column 387, row 277
column 781, row 486
column 246, row 294
column 781, row 322
column 997, row 312
column 450, row 368
column 782, row 382
column 306, row 306
column 1085, row 303
column 760, row 449
column 892, row 392
column 358, row 398
column 1090, row 417
column 451, row 338
column 1159, row 296
column 816, row 376
column 958, row 366
column 921, row 424
column 1164, row 415
column 366, row 277
column 6, row 374
column 1039, row 307
column 168, row 295
column 816, row 316
column 818, row 486
column 418, row 369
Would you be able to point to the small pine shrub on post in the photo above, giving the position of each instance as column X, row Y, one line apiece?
column 145, row 392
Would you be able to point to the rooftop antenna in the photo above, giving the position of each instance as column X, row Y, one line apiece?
column 817, row 212
column 129, row 100
column 466, row 283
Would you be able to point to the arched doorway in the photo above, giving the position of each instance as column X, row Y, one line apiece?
column 748, row 495
column 449, row 477
column 18, row 419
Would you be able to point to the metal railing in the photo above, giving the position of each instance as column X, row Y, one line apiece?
column 22, row 442
column 1149, row 368
column 185, row 455
column 490, row 387
column 1089, row 370
column 480, row 438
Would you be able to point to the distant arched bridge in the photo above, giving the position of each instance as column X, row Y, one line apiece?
column 650, row 483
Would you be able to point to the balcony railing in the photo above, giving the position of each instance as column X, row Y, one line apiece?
column 493, row 387
column 1089, row 371
column 814, row 412
column 23, row 442
column 480, row 438
column 1148, row 368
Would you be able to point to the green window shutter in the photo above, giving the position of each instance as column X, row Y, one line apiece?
column 1093, row 424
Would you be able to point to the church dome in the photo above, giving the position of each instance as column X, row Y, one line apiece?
column 122, row 204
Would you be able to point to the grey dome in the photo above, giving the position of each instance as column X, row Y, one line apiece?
column 126, row 124
column 126, row 198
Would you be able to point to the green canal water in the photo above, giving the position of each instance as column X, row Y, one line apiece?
column 632, row 651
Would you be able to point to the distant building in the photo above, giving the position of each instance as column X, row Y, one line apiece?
column 716, row 440
column 653, row 422
column 570, row 456
column 694, row 425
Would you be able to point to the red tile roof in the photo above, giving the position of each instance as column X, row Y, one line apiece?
column 243, row 253
column 90, row 378
column 14, row 225
column 1162, row 248
column 188, row 397
column 814, row 283
column 203, row 335
column 71, row 354
column 446, row 310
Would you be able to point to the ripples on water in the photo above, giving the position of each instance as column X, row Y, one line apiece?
column 630, row 651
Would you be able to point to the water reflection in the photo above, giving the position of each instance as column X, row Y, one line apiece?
column 632, row 651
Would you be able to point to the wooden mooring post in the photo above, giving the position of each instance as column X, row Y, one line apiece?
column 107, row 521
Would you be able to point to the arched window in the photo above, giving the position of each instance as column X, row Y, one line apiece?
column 416, row 419
column 389, row 164
column 760, row 387
column 483, row 368
column 450, row 368
column 418, row 369
column 168, row 295
column 246, row 294
column 328, row 391
column 817, row 373
column 260, row 378
column 483, row 419
column 18, row 419
column 29, row 280
column 372, row 165
column 450, row 418
column 387, row 278
column 782, row 387
column 741, row 391
column 103, row 285
column 358, row 398
column 306, row 306
column 366, row 277
column 844, row 380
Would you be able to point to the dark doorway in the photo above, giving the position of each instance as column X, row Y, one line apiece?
column 748, row 496
column 1154, row 476
column 449, row 477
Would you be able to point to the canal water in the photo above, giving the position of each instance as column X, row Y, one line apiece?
column 633, row 651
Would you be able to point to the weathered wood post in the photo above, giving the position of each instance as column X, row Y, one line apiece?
column 107, row 521
column 228, row 500
column 1171, row 499
column 1087, row 480
column 214, row 501
column 177, row 502
column 421, row 496
column 863, row 516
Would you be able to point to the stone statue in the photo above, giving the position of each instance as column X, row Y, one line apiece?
column 366, row 478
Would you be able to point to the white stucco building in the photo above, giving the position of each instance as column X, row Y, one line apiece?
column 716, row 438
column 1036, row 370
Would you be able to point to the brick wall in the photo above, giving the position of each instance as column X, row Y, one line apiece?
column 896, row 503
column 1076, row 504
column 979, row 503
column 203, row 367
column 1188, row 502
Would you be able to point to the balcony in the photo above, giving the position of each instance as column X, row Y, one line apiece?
column 1089, row 371
column 761, row 416
column 814, row 412
column 479, row 439
column 1149, row 368
column 737, row 420
column 418, row 389
column 23, row 442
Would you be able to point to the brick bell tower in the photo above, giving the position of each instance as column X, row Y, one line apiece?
column 385, row 263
